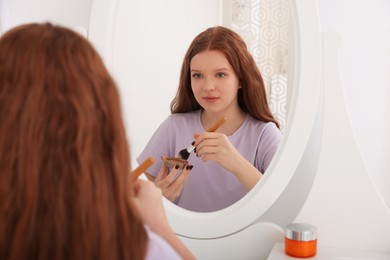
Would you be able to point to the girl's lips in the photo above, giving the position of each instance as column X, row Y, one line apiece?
column 210, row 99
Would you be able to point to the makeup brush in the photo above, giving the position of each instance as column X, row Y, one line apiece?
column 142, row 168
column 185, row 153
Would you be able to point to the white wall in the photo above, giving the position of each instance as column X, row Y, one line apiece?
column 365, row 62
column 67, row 12
column 151, row 38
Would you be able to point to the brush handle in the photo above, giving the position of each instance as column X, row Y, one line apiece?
column 211, row 129
column 217, row 124
column 142, row 168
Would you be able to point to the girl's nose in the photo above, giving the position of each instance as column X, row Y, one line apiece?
column 208, row 85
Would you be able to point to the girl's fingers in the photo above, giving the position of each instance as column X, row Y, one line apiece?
column 162, row 173
column 177, row 186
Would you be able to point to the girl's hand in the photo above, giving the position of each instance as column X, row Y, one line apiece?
column 171, row 185
column 217, row 147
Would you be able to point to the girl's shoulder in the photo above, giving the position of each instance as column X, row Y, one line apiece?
column 188, row 116
column 251, row 122
column 183, row 122
column 252, row 127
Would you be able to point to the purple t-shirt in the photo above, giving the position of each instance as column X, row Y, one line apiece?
column 209, row 186
column 158, row 248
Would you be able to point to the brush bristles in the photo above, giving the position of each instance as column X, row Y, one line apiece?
column 184, row 154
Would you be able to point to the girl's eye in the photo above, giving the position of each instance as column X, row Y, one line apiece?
column 221, row 75
column 196, row 75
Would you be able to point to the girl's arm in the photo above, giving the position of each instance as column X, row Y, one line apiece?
column 148, row 200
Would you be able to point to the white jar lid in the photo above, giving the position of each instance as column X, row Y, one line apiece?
column 300, row 232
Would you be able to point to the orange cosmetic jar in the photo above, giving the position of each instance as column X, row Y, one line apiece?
column 300, row 240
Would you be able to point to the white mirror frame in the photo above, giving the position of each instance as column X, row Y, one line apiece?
column 301, row 120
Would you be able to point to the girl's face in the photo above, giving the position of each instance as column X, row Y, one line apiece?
column 214, row 82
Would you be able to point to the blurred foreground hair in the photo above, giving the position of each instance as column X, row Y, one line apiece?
column 64, row 156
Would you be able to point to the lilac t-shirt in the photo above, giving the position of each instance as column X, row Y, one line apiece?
column 158, row 248
column 209, row 186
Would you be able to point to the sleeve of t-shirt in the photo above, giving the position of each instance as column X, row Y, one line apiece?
column 158, row 248
column 157, row 146
column 269, row 144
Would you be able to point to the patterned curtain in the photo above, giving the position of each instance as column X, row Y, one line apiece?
column 264, row 25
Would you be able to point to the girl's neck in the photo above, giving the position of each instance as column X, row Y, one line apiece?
column 234, row 120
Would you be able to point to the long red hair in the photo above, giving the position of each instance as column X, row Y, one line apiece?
column 64, row 156
column 252, row 96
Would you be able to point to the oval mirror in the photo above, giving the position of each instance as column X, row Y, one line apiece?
column 143, row 44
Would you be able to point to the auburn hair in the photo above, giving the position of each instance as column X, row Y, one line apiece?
column 64, row 157
column 252, row 96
